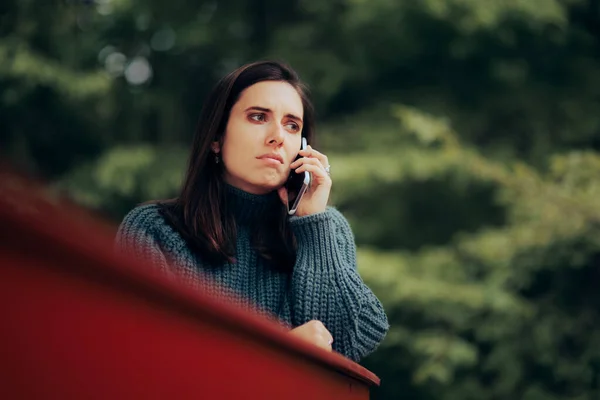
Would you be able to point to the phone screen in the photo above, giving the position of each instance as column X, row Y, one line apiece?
column 296, row 185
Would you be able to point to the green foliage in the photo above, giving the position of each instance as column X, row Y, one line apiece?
column 124, row 176
column 508, row 311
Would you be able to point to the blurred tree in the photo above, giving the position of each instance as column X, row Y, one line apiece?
column 518, row 78
column 50, row 91
column 508, row 311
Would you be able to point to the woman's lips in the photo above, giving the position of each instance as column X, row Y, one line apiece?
column 272, row 159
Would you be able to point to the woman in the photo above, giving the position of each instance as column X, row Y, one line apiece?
column 228, row 232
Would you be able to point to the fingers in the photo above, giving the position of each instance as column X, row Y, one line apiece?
column 315, row 333
column 322, row 337
column 306, row 160
column 312, row 165
column 312, row 153
column 317, row 165
column 321, row 331
column 316, row 169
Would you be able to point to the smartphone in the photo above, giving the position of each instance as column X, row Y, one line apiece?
column 297, row 185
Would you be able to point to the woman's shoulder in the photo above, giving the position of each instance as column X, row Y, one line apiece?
column 144, row 216
column 148, row 218
column 148, row 222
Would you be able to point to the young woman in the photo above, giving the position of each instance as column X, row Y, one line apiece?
column 228, row 232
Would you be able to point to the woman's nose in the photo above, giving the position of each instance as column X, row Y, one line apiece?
column 276, row 134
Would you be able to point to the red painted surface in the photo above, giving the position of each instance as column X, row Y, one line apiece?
column 81, row 322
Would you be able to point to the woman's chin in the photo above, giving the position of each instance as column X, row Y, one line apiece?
column 271, row 182
column 263, row 185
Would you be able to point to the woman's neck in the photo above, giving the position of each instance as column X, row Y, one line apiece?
column 249, row 208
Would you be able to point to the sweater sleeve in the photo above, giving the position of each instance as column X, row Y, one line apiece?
column 326, row 285
column 136, row 236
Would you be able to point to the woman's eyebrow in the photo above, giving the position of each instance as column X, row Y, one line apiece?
column 257, row 108
column 292, row 116
column 267, row 110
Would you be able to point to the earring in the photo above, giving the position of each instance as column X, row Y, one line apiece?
column 216, row 158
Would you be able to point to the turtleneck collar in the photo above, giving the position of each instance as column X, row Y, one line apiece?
column 247, row 207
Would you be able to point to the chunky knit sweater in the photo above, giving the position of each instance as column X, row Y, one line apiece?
column 324, row 284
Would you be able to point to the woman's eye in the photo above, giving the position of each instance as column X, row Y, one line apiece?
column 293, row 126
column 258, row 117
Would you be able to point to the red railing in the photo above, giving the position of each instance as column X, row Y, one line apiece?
column 81, row 322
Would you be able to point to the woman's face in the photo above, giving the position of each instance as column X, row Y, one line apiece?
column 262, row 137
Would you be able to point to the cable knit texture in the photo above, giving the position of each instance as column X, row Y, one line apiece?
column 325, row 284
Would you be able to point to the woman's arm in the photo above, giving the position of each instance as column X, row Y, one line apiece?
column 326, row 285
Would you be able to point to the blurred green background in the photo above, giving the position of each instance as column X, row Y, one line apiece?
column 463, row 137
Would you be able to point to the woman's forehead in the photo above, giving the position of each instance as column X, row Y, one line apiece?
column 274, row 95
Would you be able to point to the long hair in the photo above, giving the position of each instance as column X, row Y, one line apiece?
column 200, row 212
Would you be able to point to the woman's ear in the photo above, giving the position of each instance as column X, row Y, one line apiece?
column 216, row 147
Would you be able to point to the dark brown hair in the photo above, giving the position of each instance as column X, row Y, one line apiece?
column 200, row 212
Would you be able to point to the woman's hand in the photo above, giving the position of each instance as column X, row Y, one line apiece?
column 316, row 197
column 315, row 333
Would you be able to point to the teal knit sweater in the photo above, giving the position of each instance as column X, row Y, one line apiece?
column 324, row 284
